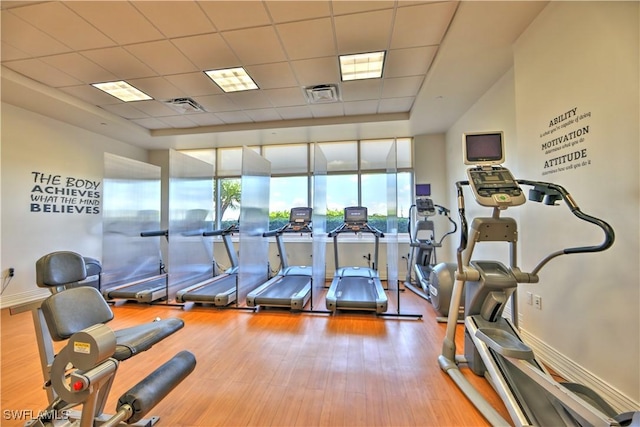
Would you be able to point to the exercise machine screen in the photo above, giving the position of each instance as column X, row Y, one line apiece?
column 355, row 215
column 483, row 149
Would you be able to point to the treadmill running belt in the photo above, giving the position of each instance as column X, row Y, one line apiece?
column 208, row 293
column 141, row 291
column 356, row 292
column 283, row 290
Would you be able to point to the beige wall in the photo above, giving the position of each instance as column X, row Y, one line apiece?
column 34, row 143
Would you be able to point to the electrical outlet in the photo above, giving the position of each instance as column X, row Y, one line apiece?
column 537, row 302
column 529, row 298
column 11, row 272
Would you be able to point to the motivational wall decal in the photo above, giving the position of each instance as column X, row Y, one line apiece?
column 564, row 142
column 64, row 194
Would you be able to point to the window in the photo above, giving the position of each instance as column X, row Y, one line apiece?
column 286, row 192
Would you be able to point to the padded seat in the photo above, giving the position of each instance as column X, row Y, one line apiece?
column 71, row 310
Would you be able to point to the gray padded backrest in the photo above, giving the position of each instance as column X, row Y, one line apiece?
column 60, row 268
column 73, row 310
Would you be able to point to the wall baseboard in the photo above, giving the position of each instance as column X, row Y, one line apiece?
column 573, row 372
column 7, row 301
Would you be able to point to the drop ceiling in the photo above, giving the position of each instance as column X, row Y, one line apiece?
column 53, row 51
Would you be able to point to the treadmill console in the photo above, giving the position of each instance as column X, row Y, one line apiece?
column 355, row 217
column 492, row 184
column 300, row 218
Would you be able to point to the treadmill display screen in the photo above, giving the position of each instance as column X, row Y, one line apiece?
column 300, row 215
column 355, row 215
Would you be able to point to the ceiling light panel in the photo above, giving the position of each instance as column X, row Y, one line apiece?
column 362, row 66
column 232, row 79
column 122, row 90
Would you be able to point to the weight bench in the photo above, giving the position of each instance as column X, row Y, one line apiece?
column 78, row 314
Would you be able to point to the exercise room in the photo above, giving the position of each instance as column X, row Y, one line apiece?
column 320, row 213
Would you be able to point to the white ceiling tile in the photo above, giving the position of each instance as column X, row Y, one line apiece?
column 91, row 95
column 401, row 86
column 230, row 15
column 359, row 90
column 126, row 110
column 409, row 62
column 119, row 62
column 270, row 76
column 119, row 20
column 285, row 97
column 317, row 71
column 287, row 11
column 205, row 119
column 150, row 123
column 153, row 108
column 11, row 53
column 360, row 107
column 233, row 117
column 194, row 84
column 42, row 72
column 162, row 57
column 318, row 38
column 216, row 103
column 255, row 45
column 327, row 110
column 176, row 18
column 263, row 115
column 27, row 38
column 79, row 67
column 364, row 32
column 158, row 88
column 342, row 7
column 422, row 25
column 395, row 105
column 207, row 51
column 57, row 20
column 295, row 113
column 179, row 121
column 250, row 100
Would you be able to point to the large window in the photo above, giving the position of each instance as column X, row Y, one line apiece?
column 356, row 176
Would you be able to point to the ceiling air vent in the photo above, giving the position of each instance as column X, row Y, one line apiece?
column 184, row 105
column 322, row 94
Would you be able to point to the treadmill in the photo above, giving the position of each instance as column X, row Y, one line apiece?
column 356, row 288
column 291, row 287
column 219, row 290
column 147, row 289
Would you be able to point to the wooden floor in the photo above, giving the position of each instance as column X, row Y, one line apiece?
column 273, row 368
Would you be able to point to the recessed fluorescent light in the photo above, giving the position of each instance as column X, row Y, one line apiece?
column 232, row 79
column 361, row 66
column 122, row 90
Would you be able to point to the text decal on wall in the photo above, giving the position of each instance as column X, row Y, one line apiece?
column 58, row 194
column 564, row 142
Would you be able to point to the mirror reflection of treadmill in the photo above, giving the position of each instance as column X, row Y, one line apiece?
column 291, row 287
column 356, row 288
column 219, row 290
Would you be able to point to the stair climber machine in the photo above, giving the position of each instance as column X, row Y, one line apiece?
column 356, row 288
column 492, row 345
column 80, row 375
column 220, row 290
column 423, row 253
column 291, row 287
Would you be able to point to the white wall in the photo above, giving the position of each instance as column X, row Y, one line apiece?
column 581, row 55
column 581, row 58
column 34, row 143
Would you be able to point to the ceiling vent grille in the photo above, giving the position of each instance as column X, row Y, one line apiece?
column 322, row 94
column 184, row 105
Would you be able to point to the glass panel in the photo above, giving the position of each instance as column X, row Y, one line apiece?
column 206, row 155
column 373, row 154
column 230, row 160
column 391, row 233
column 190, row 213
column 319, row 224
column 403, row 152
column 286, row 193
column 131, row 204
column 340, row 156
column 231, row 193
column 291, row 158
column 404, row 187
column 341, row 191
column 254, row 220
column 375, row 198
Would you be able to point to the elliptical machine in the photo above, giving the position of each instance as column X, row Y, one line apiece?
column 492, row 345
column 422, row 259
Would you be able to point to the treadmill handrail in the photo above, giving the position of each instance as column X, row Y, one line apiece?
column 154, row 233
column 221, row 232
